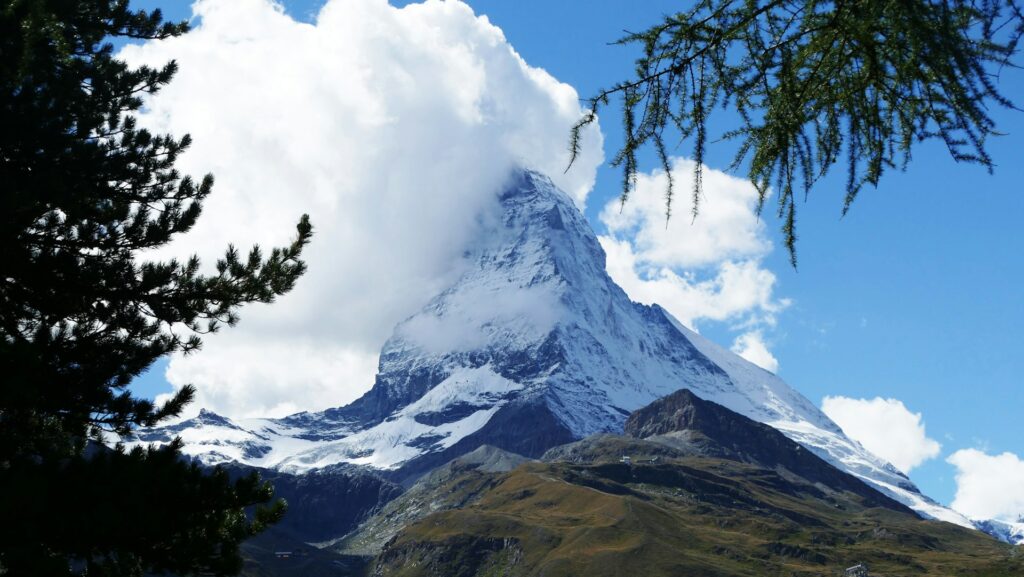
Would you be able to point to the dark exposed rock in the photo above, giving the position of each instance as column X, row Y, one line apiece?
column 462, row 556
column 451, row 413
column 685, row 420
column 326, row 503
column 524, row 427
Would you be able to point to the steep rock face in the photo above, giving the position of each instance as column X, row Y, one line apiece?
column 525, row 428
column 329, row 502
column 686, row 421
column 533, row 346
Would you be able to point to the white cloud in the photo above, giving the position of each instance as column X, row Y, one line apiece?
column 726, row 228
column 261, row 376
column 885, row 427
column 736, row 289
column 988, row 486
column 752, row 347
column 393, row 128
column 704, row 268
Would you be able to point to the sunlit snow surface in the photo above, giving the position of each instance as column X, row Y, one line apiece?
column 534, row 317
column 1007, row 531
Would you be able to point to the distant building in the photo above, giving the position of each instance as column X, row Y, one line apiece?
column 283, row 554
column 625, row 459
column 858, row 570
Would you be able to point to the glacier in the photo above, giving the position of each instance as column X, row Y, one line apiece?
column 533, row 346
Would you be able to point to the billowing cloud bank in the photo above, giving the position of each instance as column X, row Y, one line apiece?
column 391, row 128
column 989, row 486
column 707, row 268
column 885, row 427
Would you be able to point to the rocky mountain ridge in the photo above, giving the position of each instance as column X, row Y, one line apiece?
column 676, row 498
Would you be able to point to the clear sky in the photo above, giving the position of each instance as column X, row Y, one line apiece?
column 915, row 295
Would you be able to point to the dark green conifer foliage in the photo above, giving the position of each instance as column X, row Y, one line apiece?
column 815, row 82
column 82, row 192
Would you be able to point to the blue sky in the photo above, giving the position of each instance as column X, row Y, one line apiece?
column 914, row 295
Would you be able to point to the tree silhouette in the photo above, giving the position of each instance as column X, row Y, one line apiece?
column 84, row 192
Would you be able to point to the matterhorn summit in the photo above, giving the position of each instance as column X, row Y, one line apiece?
column 532, row 347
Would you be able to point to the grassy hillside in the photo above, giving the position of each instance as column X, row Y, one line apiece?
column 454, row 486
column 678, row 516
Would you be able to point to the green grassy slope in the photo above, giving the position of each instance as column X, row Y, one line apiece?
column 679, row 516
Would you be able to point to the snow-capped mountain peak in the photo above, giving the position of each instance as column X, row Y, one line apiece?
column 532, row 347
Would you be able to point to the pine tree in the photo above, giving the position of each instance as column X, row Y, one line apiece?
column 84, row 191
column 814, row 83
